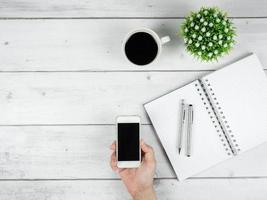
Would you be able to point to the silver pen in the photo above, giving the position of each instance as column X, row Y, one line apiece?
column 189, row 130
column 182, row 122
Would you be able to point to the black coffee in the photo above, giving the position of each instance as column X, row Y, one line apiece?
column 141, row 48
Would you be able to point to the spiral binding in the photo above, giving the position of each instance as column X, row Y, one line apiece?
column 218, row 110
column 208, row 106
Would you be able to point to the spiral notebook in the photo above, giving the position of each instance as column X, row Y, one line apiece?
column 230, row 116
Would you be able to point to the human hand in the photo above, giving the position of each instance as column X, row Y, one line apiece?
column 138, row 181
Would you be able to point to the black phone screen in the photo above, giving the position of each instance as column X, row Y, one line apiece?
column 128, row 142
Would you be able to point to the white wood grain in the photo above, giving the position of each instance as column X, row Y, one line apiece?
column 77, row 152
column 95, row 45
column 65, row 152
column 126, row 8
column 249, row 189
column 82, row 98
column 82, row 152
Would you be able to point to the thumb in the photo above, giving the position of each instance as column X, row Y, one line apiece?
column 148, row 152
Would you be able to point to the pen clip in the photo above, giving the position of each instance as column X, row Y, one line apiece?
column 191, row 113
column 183, row 114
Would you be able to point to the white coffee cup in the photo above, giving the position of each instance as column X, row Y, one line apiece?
column 159, row 41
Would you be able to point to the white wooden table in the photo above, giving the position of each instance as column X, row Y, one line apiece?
column 63, row 79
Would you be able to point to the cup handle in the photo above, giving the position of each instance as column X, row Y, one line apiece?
column 165, row 39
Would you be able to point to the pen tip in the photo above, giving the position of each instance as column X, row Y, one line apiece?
column 188, row 155
column 179, row 150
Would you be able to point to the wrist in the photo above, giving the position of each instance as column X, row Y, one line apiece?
column 145, row 194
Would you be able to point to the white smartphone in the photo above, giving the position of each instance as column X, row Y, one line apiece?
column 128, row 149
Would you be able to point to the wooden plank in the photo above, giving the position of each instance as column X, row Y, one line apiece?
column 95, row 45
column 69, row 152
column 114, row 190
column 77, row 152
column 82, row 98
column 133, row 8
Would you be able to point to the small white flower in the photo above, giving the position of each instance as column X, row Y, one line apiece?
column 196, row 27
column 226, row 30
column 210, row 54
column 218, row 20
column 203, row 47
column 231, row 44
column 192, row 24
column 210, row 24
column 210, row 44
column 186, row 30
column 203, row 29
column 228, row 38
column 220, row 36
column 220, row 42
column 215, row 14
column 205, row 12
column 224, row 23
column 190, row 41
column 208, row 34
column 191, row 18
column 205, row 23
column 197, row 44
column 216, row 52
column 199, row 53
column 202, row 20
column 194, row 35
column 198, row 15
column 225, row 45
column 185, row 40
column 215, row 37
column 199, row 38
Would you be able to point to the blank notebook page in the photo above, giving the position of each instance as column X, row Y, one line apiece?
column 207, row 148
column 240, row 90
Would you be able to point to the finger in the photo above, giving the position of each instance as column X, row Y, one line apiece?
column 113, row 146
column 148, row 152
column 142, row 141
column 113, row 162
column 113, row 158
column 145, row 147
column 114, row 168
